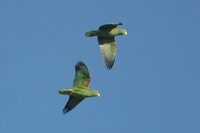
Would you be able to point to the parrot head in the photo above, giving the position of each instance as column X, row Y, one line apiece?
column 95, row 93
column 122, row 31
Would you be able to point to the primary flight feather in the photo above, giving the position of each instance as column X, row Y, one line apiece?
column 106, row 39
column 80, row 89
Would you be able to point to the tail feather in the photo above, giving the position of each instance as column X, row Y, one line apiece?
column 65, row 91
column 91, row 33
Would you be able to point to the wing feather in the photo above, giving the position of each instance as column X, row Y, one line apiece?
column 82, row 76
column 108, row 50
column 72, row 102
column 109, row 26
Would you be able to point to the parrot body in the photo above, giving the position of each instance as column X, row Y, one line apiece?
column 80, row 89
column 105, row 35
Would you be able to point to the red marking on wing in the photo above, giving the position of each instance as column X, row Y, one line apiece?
column 88, row 83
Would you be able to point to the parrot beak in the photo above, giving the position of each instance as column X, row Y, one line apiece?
column 98, row 94
column 126, row 32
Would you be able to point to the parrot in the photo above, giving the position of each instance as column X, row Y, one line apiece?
column 106, row 39
column 80, row 89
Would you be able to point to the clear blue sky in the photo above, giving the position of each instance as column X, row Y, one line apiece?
column 154, row 86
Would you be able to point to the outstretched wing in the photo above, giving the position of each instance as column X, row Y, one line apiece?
column 109, row 26
column 82, row 76
column 72, row 102
column 108, row 50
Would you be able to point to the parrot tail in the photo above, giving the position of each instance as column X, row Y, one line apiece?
column 91, row 33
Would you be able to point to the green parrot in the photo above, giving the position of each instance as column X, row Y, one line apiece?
column 106, row 38
column 80, row 89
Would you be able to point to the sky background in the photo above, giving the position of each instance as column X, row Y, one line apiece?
column 154, row 85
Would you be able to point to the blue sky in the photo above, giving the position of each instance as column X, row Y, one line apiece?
column 153, row 87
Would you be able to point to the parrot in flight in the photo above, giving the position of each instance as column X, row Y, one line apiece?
column 80, row 89
column 106, row 39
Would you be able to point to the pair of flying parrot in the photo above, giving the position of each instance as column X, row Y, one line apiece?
column 80, row 90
